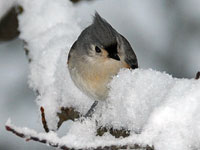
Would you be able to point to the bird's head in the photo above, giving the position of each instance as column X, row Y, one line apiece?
column 100, row 41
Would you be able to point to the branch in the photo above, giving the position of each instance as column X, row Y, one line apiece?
column 30, row 137
column 67, row 113
column 44, row 140
column 114, row 132
column 197, row 75
column 76, row 1
column 44, row 122
column 9, row 24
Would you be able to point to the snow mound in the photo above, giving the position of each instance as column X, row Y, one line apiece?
column 158, row 109
column 164, row 110
column 49, row 28
column 135, row 94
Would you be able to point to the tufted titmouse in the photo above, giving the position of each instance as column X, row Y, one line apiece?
column 96, row 56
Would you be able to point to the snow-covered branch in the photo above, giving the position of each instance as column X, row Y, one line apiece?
column 65, row 115
column 31, row 135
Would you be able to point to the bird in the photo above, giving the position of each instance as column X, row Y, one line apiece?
column 96, row 56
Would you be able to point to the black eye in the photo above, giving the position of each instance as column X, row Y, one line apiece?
column 97, row 49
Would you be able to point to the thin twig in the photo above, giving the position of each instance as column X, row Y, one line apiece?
column 64, row 147
column 197, row 75
column 44, row 122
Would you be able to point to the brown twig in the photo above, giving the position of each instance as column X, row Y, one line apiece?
column 64, row 147
column 9, row 24
column 114, row 132
column 69, row 113
column 44, row 122
column 29, row 137
column 64, row 115
column 197, row 75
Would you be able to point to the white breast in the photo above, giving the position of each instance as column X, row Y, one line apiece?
column 93, row 77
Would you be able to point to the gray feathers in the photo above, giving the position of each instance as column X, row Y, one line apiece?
column 101, row 33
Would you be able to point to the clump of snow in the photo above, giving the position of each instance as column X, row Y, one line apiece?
column 130, row 96
column 158, row 109
column 164, row 110
column 176, row 123
column 49, row 28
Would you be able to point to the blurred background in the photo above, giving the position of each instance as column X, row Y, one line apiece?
column 165, row 36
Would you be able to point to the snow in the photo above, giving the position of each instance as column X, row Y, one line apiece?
column 158, row 109
column 140, row 92
column 49, row 29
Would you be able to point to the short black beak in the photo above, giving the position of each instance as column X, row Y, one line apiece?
column 114, row 56
column 134, row 66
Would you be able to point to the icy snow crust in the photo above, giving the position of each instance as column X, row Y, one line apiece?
column 165, row 111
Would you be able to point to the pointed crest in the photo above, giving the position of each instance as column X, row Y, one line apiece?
column 103, row 31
